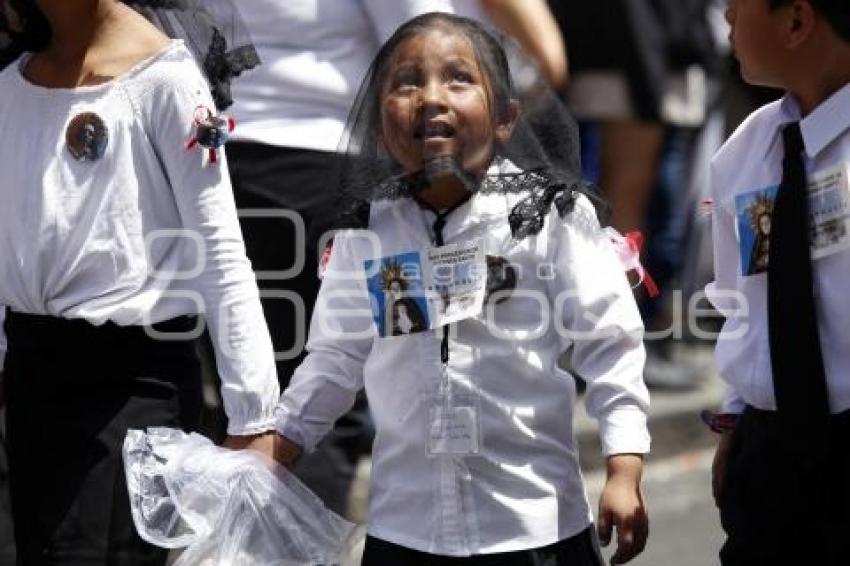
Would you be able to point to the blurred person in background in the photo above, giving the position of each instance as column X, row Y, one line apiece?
column 531, row 24
column 641, row 85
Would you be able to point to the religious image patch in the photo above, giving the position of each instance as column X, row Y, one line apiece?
column 754, row 212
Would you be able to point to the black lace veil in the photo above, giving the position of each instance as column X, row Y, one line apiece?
column 212, row 30
column 541, row 157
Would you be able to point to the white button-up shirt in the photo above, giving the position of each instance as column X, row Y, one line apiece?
column 524, row 488
column 749, row 161
column 143, row 234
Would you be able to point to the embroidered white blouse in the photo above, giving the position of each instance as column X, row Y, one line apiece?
column 143, row 234
column 752, row 160
column 524, row 488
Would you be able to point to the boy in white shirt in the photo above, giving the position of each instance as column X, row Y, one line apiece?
column 782, row 467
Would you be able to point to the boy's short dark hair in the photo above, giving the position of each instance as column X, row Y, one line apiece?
column 836, row 12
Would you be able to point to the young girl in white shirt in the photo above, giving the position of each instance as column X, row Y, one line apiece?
column 468, row 193
column 117, row 229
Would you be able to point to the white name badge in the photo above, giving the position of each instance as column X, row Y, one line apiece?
column 829, row 211
column 457, row 281
column 453, row 430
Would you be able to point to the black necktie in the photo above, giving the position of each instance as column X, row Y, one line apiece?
column 798, row 372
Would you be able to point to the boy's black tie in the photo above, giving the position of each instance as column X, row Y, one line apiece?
column 799, row 378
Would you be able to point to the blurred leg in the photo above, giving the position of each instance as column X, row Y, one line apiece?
column 630, row 153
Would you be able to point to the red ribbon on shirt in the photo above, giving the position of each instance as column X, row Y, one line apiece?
column 628, row 251
column 325, row 259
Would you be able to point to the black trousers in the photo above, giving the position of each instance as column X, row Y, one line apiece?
column 580, row 550
column 279, row 179
column 282, row 180
column 779, row 509
column 73, row 390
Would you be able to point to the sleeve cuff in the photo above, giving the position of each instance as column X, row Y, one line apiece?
column 263, row 424
column 289, row 426
column 732, row 403
column 623, row 430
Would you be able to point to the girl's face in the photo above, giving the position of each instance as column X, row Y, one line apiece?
column 436, row 102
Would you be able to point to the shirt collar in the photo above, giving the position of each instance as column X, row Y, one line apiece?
column 821, row 127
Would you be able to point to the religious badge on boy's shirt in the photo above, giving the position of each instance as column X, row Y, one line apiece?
column 417, row 291
column 754, row 212
column 829, row 218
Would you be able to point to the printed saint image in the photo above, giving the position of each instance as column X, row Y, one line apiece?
column 397, row 297
column 755, row 219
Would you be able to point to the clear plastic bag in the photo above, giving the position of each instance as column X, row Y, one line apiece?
column 227, row 507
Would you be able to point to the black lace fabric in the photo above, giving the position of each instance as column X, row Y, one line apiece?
column 213, row 31
column 542, row 152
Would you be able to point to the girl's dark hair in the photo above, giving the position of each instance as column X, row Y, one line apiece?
column 836, row 12
column 491, row 56
column 540, row 157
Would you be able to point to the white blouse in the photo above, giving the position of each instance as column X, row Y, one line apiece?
column 145, row 233
column 524, row 488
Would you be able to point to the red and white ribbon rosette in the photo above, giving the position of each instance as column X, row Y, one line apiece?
column 211, row 131
column 326, row 258
column 628, row 249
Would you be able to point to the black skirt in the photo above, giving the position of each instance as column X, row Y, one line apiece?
column 72, row 391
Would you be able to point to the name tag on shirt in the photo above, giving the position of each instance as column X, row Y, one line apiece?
column 453, row 430
column 829, row 211
column 417, row 291
column 829, row 219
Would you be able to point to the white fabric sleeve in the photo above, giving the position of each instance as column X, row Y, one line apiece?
column 386, row 17
column 600, row 320
column 723, row 291
column 732, row 403
column 720, row 291
column 226, row 284
column 325, row 385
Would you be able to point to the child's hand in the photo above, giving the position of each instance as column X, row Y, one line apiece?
column 262, row 443
column 718, row 466
column 286, row 452
column 270, row 444
column 621, row 506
